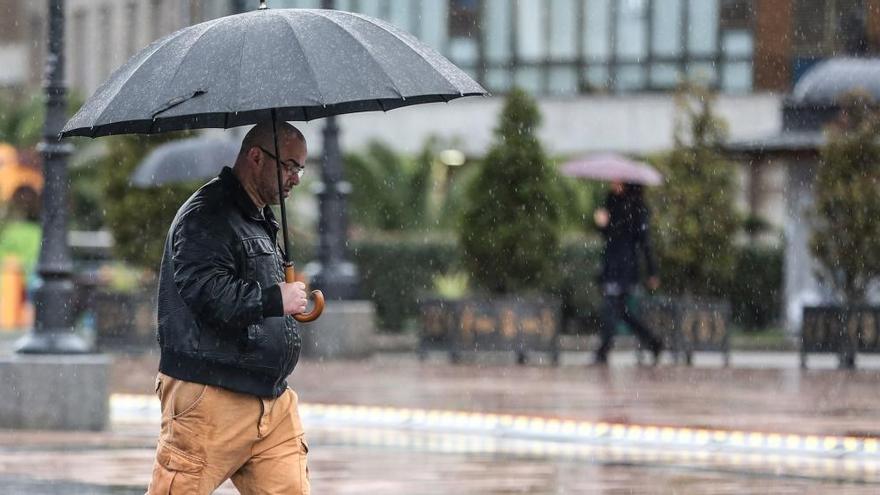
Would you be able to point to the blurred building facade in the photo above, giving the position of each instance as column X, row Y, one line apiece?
column 603, row 70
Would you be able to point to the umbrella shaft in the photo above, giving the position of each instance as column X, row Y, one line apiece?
column 286, row 252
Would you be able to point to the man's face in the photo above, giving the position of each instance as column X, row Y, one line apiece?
column 293, row 158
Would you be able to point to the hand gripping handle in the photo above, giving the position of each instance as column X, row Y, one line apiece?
column 317, row 296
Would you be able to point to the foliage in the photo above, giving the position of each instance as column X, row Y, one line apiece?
column 137, row 218
column 22, row 115
column 756, row 295
column 695, row 220
column 21, row 240
column 389, row 191
column 846, row 238
column 394, row 192
column 397, row 270
column 510, row 230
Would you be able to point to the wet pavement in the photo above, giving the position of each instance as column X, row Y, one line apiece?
column 368, row 435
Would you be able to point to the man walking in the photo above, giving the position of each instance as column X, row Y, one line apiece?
column 226, row 337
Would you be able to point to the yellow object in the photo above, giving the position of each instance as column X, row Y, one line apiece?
column 11, row 294
column 14, row 175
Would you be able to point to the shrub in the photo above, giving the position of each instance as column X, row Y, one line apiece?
column 137, row 218
column 695, row 221
column 846, row 235
column 510, row 230
column 396, row 271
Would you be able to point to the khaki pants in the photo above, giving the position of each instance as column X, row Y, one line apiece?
column 210, row 434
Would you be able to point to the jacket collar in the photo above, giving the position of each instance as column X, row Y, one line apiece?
column 241, row 199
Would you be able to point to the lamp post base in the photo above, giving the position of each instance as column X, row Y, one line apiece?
column 338, row 281
column 51, row 342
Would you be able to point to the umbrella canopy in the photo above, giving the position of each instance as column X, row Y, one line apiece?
column 303, row 63
column 610, row 167
column 185, row 160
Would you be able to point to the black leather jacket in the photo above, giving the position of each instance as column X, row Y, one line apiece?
column 220, row 312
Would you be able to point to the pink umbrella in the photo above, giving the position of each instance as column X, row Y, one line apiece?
column 611, row 167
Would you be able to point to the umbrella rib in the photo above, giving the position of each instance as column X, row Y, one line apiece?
column 107, row 101
column 185, row 55
column 416, row 49
column 364, row 46
column 312, row 73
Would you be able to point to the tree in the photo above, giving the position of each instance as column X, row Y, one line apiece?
column 392, row 192
column 510, row 229
column 695, row 217
column 846, row 230
column 389, row 190
column 137, row 218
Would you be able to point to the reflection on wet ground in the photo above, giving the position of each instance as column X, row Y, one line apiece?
column 762, row 411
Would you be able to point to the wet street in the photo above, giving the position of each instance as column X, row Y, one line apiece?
column 393, row 424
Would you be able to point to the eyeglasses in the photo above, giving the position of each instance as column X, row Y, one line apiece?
column 290, row 165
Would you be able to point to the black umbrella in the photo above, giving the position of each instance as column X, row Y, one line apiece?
column 290, row 64
column 185, row 160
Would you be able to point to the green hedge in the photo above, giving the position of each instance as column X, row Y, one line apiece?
column 755, row 291
column 396, row 272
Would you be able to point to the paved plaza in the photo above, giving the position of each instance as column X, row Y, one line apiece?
column 394, row 424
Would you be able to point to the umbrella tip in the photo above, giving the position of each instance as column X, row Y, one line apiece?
column 263, row 5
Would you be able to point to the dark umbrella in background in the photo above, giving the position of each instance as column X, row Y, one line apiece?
column 287, row 64
column 186, row 160
column 611, row 167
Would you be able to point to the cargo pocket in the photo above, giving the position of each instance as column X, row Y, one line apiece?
column 304, row 464
column 175, row 472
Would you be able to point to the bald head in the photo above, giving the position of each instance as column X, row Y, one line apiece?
column 256, row 166
column 261, row 135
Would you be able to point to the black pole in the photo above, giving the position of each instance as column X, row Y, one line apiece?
column 53, row 330
column 335, row 274
column 284, row 234
column 239, row 6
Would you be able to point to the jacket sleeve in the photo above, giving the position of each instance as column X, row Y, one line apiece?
column 206, row 276
column 644, row 241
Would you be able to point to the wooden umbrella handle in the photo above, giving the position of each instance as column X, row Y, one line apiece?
column 317, row 296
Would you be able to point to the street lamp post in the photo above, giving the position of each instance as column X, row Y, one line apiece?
column 53, row 330
column 335, row 274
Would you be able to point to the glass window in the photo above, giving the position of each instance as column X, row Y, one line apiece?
column 131, row 39
column 372, row 8
column 664, row 76
column 631, row 29
column 597, row 34
column 433, row 32
column 106, row 55
column 498, row 80
column 703, row 26
column 629, row 77
column 702, row 73
column 666, row 33
column 156, row 20
column 78, row 67
column 736, row 14
column 497, row 30
column 736, row 43
column 563, row 80
column 597, row 78
column 737, row 77
column 463, row 51
column 529, row 79
column 563, row 35
column 531, row 42
column 294, row 4
column 464, row 18
column 400, row 14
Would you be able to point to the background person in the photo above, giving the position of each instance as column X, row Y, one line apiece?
column 623, row 222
